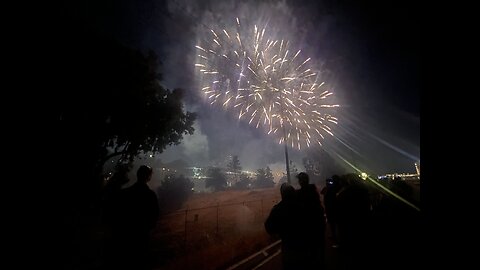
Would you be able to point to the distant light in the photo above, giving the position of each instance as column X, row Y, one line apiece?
column 151, row 155
column 163, row 169
column 364, row 176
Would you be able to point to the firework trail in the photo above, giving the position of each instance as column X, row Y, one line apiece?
column 265, row 83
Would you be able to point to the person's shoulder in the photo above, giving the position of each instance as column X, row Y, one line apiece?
column 277, row 207
column 151, row 192
column 279, row 204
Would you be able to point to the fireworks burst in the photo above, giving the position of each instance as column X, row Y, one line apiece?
column 266, row 83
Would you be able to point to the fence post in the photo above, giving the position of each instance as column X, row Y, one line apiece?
column 218, row 204
column 185, row 232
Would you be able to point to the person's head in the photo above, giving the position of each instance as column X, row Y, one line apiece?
column 144, row 174
column 353, row 179
column 333, row 182
column 303, row 179
column 287, row 191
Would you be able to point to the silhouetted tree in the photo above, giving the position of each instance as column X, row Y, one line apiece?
column 216, row 179
column 234, row 166
column 244, row 183
column 174, row 191
column 111, row 104
column 264, row 178
column 268, row 174
column 140, row 115
column 103, row 100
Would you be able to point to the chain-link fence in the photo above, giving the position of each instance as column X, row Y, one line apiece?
column 196, row 227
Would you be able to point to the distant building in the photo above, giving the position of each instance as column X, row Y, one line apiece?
column 412, row 178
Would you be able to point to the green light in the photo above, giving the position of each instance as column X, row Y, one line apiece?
column 380, row 186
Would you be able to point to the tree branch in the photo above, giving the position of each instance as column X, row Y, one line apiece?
column 114, row 154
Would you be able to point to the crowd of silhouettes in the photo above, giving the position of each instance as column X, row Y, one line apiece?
column 397, row 227
column 299, row 220
column 129, row 215
column 368, row 228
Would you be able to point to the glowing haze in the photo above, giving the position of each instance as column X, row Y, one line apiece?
column 316, row 35
column 371, row 67
column 248, row 71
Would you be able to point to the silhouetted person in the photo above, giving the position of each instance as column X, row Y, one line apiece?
column 353, row 217
column 284, row 220
column 330, row 201
column 112, row 213
column 398, row 227
column 139, row 216
column 313, row 222
column 112, row 193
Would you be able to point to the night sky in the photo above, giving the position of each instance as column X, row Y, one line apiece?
column 370, row 49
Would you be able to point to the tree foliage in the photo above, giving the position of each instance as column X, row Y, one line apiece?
column 174, row 191
column 114, row 104
column 216, row 179
column 104, row 100
column 244, row 183
column 264, row 178
column 234, row 165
